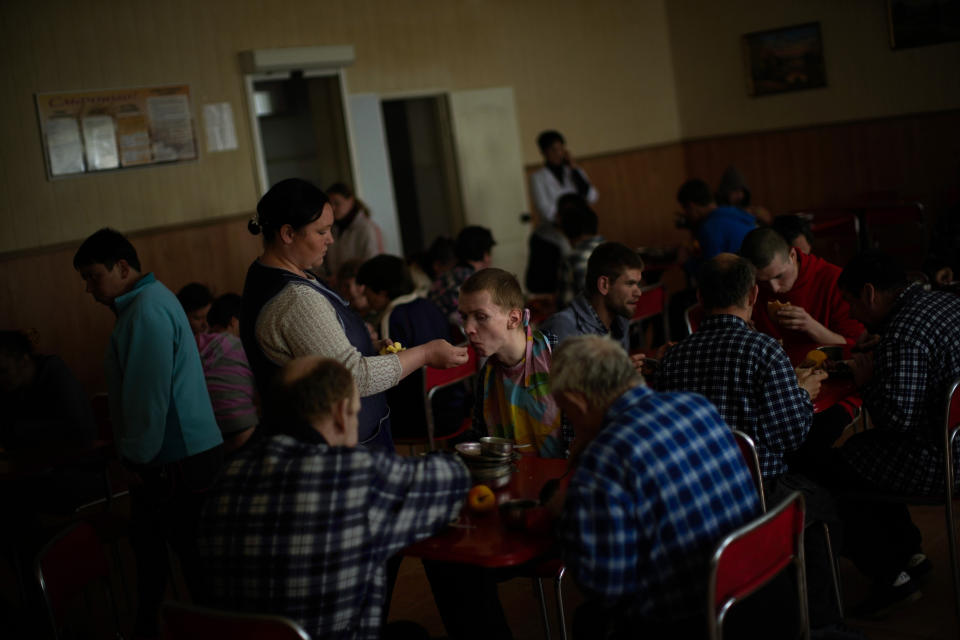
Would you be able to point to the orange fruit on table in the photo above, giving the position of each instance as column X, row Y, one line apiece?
column 481, row 499
column 815, row 358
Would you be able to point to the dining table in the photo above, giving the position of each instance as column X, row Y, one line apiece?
column 482, row 538
column 837, row 388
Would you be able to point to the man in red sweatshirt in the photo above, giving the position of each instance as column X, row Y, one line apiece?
column 813, row 309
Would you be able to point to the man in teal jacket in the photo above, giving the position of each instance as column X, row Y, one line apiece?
column 164, row 426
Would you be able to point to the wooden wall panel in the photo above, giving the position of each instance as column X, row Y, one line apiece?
column 637, row 191
column 907, row 157
column 41, row 290
column 915, row 156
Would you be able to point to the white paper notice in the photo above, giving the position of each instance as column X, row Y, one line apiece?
column 218, row 122
column 172, row 128
column 64, row 146
column 100, row 141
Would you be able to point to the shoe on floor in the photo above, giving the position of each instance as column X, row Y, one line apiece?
column 886, row 598
column 919, row 566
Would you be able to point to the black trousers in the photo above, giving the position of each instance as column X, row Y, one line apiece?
column 165, row 509
column 880, row 537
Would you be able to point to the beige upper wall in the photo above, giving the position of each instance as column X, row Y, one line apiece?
column 600, row 71
column 865, row 78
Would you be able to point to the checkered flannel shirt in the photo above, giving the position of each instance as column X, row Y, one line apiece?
column 303, row 530
column 917, row 358
column 748, row 376
column 573, row 270
column 650, row 498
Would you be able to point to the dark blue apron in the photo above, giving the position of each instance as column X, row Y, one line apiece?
column 262, row 284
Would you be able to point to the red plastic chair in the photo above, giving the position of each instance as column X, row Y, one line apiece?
column 433, row 381
column 950, row 431
column 652, row 303
column 748, row 449
column 187, row 622
column 66, row 566
column 751, row 556
column 836, row 234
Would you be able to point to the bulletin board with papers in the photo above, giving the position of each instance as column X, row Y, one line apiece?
column 90, row 131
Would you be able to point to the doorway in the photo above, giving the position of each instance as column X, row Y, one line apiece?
column 300, row 128
column 423, row 167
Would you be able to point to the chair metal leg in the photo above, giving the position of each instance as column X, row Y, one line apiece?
column 558, row 590
column 834, row 570
column 952, row 545
column 538, row 587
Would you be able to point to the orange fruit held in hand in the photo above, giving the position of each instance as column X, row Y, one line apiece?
column 481, row 499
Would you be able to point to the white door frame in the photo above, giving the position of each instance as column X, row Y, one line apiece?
column 250, row 78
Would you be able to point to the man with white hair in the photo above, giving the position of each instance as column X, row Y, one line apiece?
column 657, row 481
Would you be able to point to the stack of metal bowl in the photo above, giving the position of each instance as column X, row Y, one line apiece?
column 490, row 460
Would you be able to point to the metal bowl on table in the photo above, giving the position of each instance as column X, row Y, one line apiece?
column 496, row 446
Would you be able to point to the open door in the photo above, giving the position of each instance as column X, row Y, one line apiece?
column 490, row 163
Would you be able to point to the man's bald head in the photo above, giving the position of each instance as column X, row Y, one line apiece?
column 312, row 390
column 725, row 281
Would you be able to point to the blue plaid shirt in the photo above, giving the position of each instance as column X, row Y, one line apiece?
column 303, row 530
column 748, row 376
column 650, row 498
column 917, row 357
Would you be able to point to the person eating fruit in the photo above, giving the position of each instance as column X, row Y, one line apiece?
column 288, row 313
column 799, row 298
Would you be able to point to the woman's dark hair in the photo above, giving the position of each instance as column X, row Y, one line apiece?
column 575, row 216
column 546, row 139
column 106, row 246
column 224, row 309
column 441, row 250
column 293, row 201
column 194, row 296
column 15, row 344
column 472, row 243
column 696, row 191
column 386, row 273
column 341, row 189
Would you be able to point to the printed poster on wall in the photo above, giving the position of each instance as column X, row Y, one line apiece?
column 91, row 131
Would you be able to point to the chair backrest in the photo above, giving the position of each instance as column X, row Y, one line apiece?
column 653, row 302
column 187, row 622
column 952, row 428
column 693, row 316
column 748, row 449
column 66, row 566
column 754, row 554
column 434, row 379
column 836, row 234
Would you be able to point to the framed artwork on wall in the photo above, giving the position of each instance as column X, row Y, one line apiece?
column 918, row 23
column 784, row 59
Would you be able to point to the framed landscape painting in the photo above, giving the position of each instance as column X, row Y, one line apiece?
column 785, row 59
